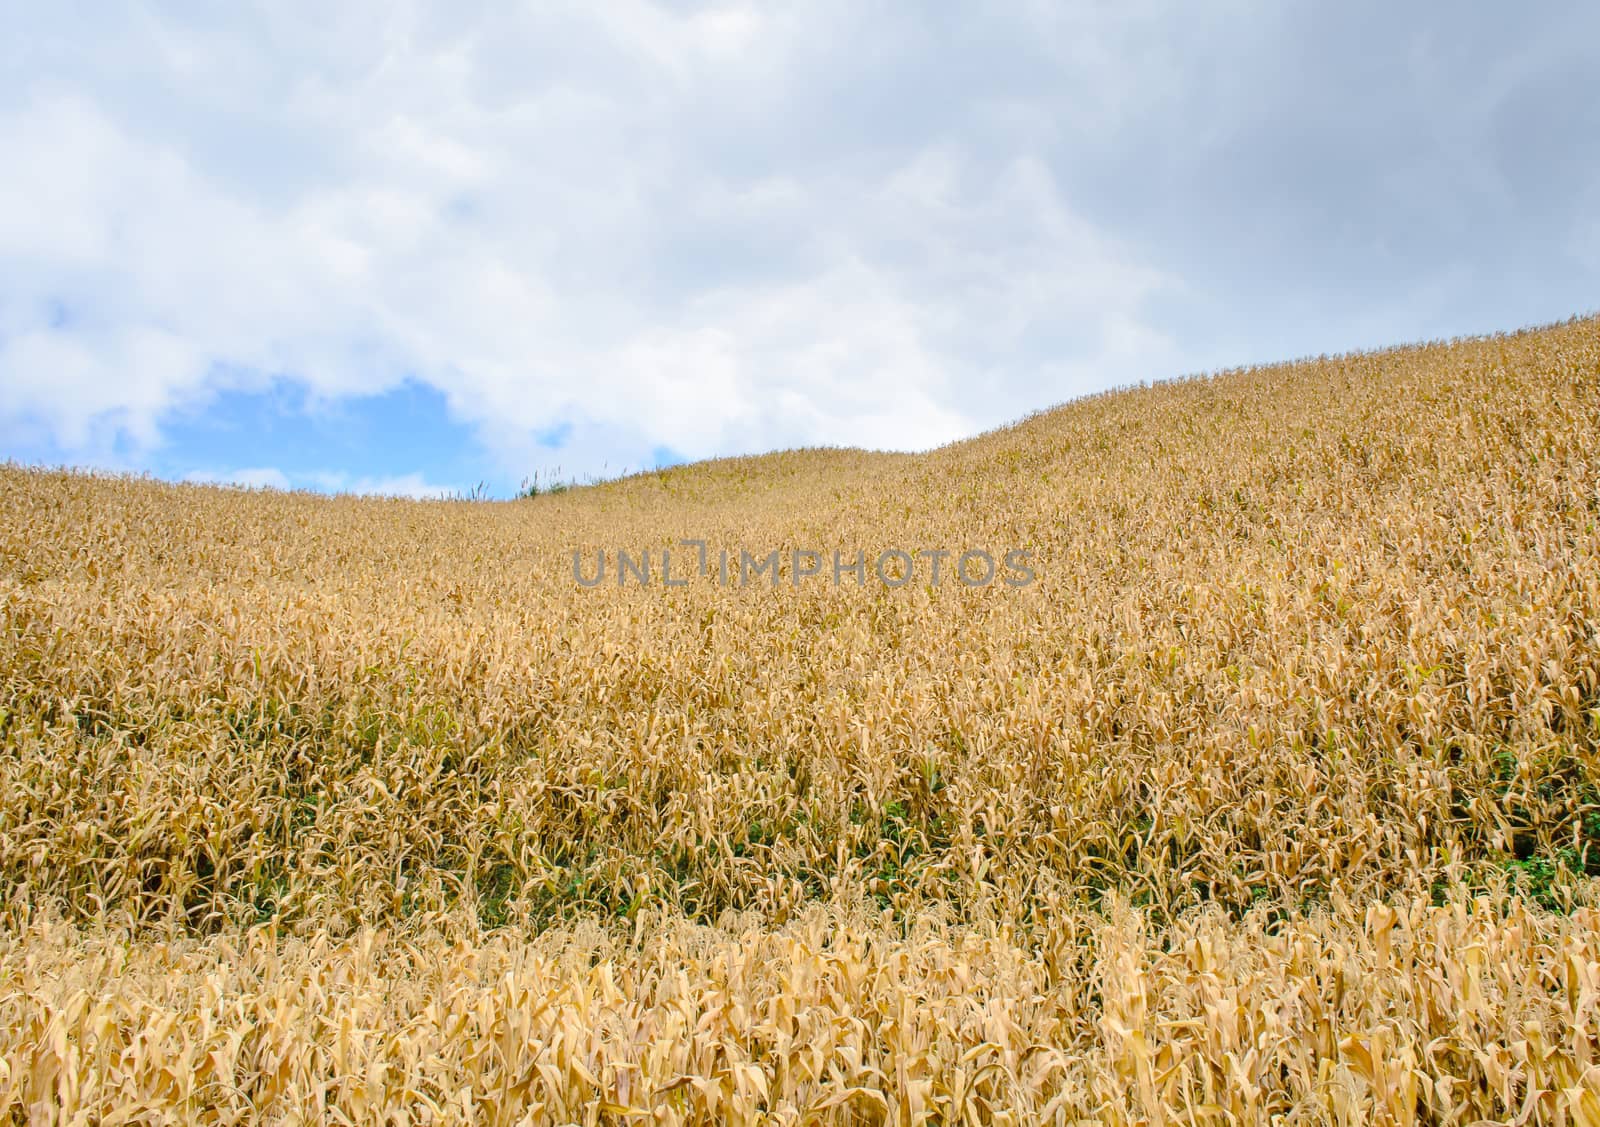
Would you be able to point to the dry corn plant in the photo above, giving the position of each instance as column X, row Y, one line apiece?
column 1274, row 796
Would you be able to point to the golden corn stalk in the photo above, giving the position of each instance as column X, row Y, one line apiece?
column 1273, row 797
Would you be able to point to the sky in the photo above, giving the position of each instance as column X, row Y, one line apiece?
column 420, row 248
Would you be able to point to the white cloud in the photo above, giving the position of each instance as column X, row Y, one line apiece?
column 263, row 477
column 414, row 485
column 400, row 485
column 537, row 239
column 715, row 228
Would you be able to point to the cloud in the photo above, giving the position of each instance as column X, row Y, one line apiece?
column 412, row 485
column 724, row 228
column 262, row 477
column 327, row 481
column 396, row 485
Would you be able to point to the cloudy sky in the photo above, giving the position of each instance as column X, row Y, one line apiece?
column 413, row 246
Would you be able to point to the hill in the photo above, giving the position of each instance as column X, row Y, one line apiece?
column 1259, row 777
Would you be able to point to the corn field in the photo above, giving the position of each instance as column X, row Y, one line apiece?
column 1274, row 796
